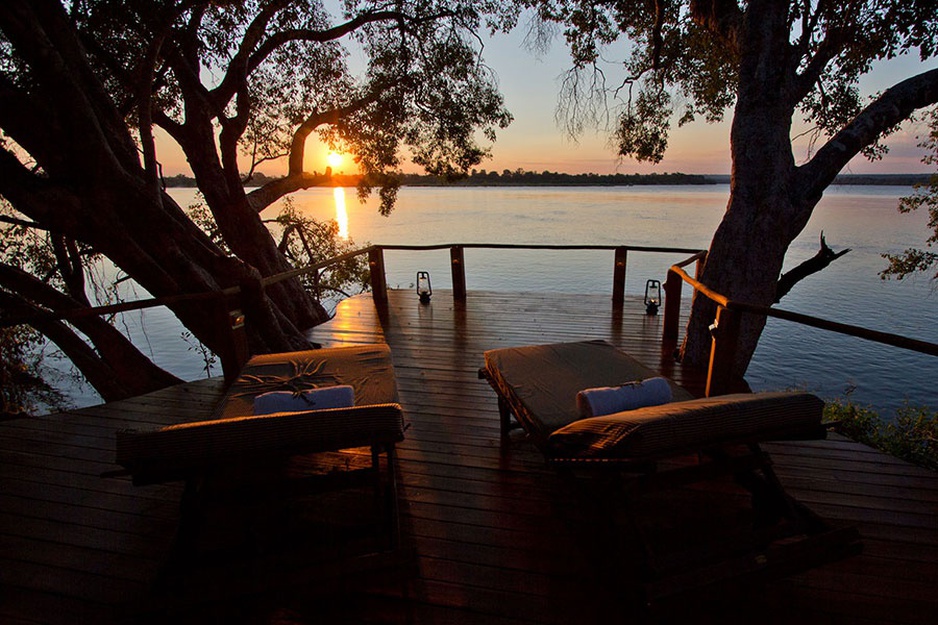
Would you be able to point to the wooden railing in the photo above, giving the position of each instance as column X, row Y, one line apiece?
column 230, row 302
column 458, row 262
column 726, row 325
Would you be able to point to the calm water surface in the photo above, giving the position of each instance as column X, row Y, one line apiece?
column 861, row 218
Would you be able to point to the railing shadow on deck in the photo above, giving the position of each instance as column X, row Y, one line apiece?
column 228, row 305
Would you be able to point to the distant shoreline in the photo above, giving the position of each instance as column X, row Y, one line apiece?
column 521, row 178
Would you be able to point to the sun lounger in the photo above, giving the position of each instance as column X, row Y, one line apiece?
column 235, row 440
column 537, row 388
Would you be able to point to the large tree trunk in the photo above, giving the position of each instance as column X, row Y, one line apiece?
column 766, row 210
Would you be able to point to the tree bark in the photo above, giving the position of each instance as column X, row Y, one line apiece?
column 762, row 216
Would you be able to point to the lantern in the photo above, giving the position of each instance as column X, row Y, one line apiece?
column 652, row 297
column 424, row 290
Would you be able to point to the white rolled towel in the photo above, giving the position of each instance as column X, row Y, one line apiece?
column 341, row 396
column 595, row 402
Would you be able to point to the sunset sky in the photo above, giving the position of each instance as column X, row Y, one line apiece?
column 534, row 141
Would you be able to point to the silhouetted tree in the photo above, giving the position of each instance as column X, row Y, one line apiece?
column 235, row 83
column 770, row 61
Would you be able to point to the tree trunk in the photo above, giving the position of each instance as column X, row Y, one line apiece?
column 766, row 210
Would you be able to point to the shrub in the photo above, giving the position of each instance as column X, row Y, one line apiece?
column 912, row 435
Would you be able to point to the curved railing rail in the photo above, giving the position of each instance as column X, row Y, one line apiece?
column 727, row 321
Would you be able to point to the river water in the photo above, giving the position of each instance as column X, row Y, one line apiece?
column 789, row 356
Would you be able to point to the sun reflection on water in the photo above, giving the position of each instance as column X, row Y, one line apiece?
column 341, row 214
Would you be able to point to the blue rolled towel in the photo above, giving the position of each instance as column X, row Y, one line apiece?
column 595, row 402
column 341, row 396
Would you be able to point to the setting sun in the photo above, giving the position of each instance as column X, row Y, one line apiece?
column 334, row 159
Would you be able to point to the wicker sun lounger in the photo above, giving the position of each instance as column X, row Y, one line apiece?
column 537, row 387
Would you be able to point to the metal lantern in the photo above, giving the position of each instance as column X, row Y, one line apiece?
column 424, row 290
column 652, row 297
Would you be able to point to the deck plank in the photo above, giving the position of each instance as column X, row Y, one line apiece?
column 491, row 535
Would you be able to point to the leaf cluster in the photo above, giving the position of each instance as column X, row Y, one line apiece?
column 23, row 389
column 306, row 241
column 683, row 58
column 917, row 260
column 912, row 435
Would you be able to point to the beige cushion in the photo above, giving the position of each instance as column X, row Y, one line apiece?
column 687, row 426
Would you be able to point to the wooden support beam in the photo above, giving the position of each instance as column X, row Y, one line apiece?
column 672, row 309
column 618, row 277
column 458, row 266
column 379, row 285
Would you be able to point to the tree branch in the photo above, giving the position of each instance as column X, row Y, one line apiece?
column 262, row 197
column 22, row 222
column 244, row 63
column 826, row 51
column 895, row 105
column 824, row 257
column 721, row 17
column 298, row 145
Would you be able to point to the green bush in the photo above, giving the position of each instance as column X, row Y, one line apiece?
column 912, row 435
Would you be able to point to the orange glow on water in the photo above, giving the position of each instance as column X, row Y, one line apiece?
column 341, row 214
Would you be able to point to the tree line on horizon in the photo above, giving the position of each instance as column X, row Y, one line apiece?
column 521, row 177
column 479, row 178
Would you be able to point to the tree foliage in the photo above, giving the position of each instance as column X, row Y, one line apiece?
column 773, row 64
column 918, row 260
column 682, row 59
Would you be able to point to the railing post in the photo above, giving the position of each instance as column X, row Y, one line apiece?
column 231, row 366
column 725, row 332
column 458, row 265
column 672, row 308
column 234, row 348
column 379, row 284
column 618, row 277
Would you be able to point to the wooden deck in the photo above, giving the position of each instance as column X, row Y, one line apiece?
column 490, row 535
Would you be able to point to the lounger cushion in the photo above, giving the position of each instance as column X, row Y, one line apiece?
column 178, row 449
column 687, row 426
column 367, row 368
column 542, row 381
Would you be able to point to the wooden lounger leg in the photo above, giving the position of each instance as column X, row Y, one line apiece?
column 504, row 414
column 387, row 494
